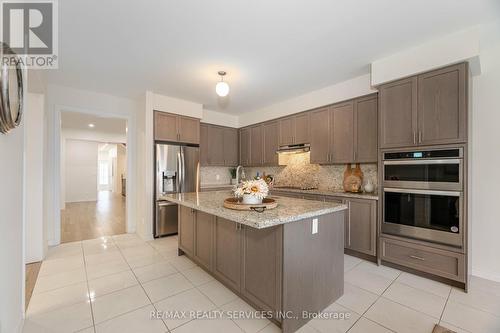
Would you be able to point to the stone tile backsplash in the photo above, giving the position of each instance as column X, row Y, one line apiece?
column 208, row 175
column 298, row 173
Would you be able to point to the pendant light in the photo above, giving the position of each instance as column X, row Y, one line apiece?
column 222, row 88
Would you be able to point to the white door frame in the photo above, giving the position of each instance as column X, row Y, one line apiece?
column 56, row 172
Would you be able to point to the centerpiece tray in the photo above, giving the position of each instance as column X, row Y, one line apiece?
column 234, row 203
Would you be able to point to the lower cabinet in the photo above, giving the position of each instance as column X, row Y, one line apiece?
column 227, row 252
column 204, row 233
column 186, row 229
column 361, row 226
column 261, row 266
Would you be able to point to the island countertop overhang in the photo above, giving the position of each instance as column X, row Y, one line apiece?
column 288, row 210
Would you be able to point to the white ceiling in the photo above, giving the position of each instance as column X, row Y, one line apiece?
column 272, row 50
column 76, row 126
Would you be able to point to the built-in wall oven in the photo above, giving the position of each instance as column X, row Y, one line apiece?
column 423, row 195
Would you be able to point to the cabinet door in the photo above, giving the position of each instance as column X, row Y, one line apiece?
column 256, row 145
column 261, row 266
column 286, row 131
column 361, row 226
column 301, row 126
column 271, row 143
column 320, row 136
column 165, row 126
column 230, row 146
column 186, row 229
column 366, row 129
column 442, row 105
column 398, row 112
column 204, row 227
column 227, row 252
column 215, row 145
column 343, row 133
column 204, row 144
column 245, row 146
column 189, row 130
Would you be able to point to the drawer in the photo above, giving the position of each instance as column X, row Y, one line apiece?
column 439, row 262
column 334, row 199
column 286, row 194
column 316, row 197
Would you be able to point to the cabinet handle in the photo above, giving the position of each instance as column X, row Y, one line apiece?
column 418, row 258
column 355, row 156
column 414, row 137
column 419, row 136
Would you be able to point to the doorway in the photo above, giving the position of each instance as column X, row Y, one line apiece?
column 93, row 176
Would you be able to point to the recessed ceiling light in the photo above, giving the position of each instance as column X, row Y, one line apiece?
column 91, row 125
column 222, row 88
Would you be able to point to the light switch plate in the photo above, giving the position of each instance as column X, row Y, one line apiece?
column 315, row 226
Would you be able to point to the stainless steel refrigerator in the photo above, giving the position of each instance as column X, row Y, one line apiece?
column 177, row 171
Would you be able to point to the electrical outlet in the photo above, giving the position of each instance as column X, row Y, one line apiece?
column 315, row 226
column 217, row 177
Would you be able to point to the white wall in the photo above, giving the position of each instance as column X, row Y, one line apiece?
column 453, row 48
column 219, row 118
column 11, row 230
column 355, row 87
column 81, row 170
column 60, row 98
column 34, row 132
column 485, row 158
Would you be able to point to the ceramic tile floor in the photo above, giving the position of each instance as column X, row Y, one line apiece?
column 113, row 284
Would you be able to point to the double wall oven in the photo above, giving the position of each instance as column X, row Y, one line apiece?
column 423, row 195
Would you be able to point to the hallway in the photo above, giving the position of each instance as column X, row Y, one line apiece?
column 93, row 219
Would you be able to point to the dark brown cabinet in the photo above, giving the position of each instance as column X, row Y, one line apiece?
column 186, row 229
column 204, row 235
column 345, row 132
column 360, row 226
column 175, row 128
column 366, row 129
column 227, row 252
column 442, row 106
column 230, row 146
column 430, row 108
column 294, row 129
column 256, row 145
column 245, row 146
column 270, row 143
column 320, row 136
column 261, row 266
column 219, row 145
column 342, row 118
column 398, row 111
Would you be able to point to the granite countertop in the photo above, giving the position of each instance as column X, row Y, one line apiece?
column 333, row 193
column 288, row 209
column 216, row 186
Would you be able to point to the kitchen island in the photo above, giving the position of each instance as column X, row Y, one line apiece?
column 287, row 261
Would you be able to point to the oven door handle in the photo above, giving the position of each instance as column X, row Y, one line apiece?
column 424, row 161
column 429, row 192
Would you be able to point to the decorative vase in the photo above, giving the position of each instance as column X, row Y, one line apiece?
column 368, row 186
column 249, row 199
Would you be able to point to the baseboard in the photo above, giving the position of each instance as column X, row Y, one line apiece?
column 493, row 276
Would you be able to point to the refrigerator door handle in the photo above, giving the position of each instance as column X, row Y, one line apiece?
column 183, row 168
column 179, row 173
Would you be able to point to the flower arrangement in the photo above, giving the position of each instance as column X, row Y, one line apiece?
column 252, row 190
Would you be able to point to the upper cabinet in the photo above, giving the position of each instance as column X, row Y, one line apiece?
column 256, row 146
column 366, row 129
column 430, row 108
column 442, row 105
column 345, row 132
column 270, row 132
column 218, row 146
column 176, row 128
column 294, row 129
column 245, row 146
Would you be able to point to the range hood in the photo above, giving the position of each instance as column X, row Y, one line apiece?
column 294, row 149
